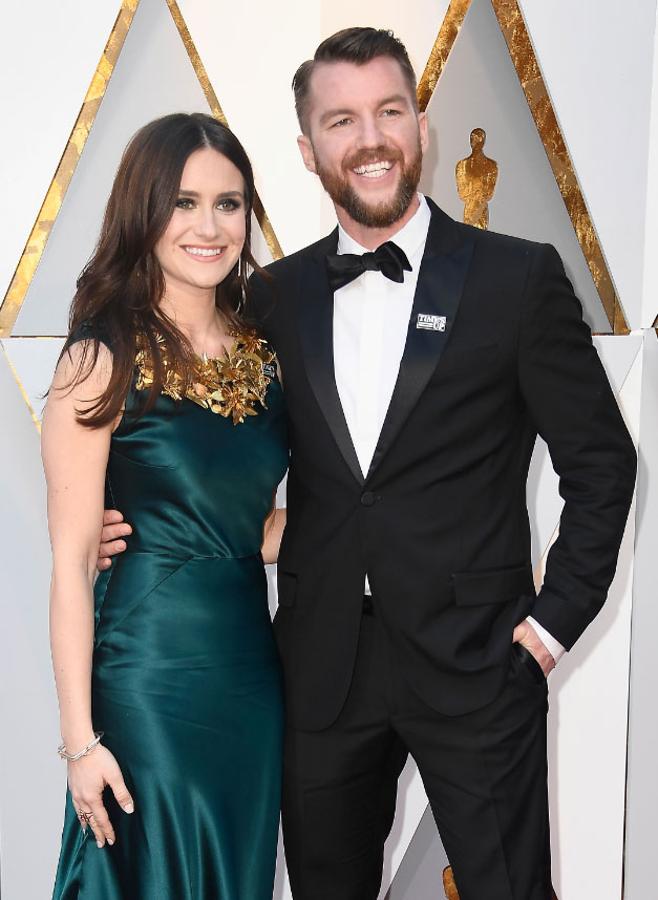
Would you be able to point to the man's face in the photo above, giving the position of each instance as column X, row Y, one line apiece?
column 365, row 139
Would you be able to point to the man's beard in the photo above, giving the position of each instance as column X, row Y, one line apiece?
column 379, row 215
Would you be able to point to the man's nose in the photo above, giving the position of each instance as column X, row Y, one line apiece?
column 370, row 135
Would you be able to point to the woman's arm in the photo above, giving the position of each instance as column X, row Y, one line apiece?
column 272, row 533
column 75, row 459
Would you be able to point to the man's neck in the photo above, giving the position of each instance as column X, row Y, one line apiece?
column 371, row 238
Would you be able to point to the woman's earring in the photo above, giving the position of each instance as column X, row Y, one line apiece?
column 243, row 293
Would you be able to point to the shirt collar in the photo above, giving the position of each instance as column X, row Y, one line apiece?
column 410, row 238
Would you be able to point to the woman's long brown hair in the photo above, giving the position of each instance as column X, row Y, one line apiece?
column 120, row 289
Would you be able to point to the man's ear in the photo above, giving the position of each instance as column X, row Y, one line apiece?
column 306, row 149
column 424, row 131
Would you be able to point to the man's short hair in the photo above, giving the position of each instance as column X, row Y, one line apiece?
column 355, row 45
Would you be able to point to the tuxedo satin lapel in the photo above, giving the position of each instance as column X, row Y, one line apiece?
column 438, row 292
column 316, row 331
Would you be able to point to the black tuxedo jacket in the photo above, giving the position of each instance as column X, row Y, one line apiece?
column 440, row 523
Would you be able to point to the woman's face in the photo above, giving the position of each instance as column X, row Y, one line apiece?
column 206, row 232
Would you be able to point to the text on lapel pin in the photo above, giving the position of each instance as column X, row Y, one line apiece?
column 431, row 323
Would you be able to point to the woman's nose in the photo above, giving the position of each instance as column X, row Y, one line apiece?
column 206, row 225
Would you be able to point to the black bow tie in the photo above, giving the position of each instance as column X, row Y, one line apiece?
column 388, row 259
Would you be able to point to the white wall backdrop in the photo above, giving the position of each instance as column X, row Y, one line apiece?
column 599, row 61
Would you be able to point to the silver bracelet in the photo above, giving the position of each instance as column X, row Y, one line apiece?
column 71, row 757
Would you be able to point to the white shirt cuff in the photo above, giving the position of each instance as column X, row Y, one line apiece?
column 554, row 647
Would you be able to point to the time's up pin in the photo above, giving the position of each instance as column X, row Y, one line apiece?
column 431, row 323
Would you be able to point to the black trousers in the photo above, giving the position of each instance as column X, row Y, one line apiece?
column 485, row 774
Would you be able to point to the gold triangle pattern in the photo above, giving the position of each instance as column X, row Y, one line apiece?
column 36, row 242
column 513, row 27
column 21, row 388
column 259, row 211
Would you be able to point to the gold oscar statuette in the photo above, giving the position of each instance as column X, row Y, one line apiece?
column 476, row 177
column 449, row 885
column 450, row 888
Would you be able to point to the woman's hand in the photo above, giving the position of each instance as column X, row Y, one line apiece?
column 88, row 776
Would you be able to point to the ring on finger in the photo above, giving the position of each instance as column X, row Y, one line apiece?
column 85, row 816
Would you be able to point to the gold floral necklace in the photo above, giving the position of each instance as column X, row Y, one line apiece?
column 229, row 386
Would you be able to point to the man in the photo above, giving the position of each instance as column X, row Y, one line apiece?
column 421, row 357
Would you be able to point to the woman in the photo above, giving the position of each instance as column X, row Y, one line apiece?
column 168, row 679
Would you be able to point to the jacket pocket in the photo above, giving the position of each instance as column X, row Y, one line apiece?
column 527, row 662
column 493, row 586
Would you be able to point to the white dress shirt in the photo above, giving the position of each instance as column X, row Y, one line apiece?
column 371, row 319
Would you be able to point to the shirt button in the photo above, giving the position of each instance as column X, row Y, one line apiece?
column 368, row 499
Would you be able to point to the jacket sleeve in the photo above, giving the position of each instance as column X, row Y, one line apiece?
column 258, row 303
column 573, row 408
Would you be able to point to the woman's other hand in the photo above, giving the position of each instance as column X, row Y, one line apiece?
column 88, row 777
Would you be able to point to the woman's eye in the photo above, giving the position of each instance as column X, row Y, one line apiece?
column 184, row 203
column 228, row 205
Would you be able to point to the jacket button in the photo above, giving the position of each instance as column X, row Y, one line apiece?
column 368, row 499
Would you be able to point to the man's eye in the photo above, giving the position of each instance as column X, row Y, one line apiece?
column 184, row 203
column 340, row 123
column 391, row 112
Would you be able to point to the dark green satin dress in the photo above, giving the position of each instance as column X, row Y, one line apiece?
column 186, row 683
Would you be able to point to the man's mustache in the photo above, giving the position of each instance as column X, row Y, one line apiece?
column 368, row 156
